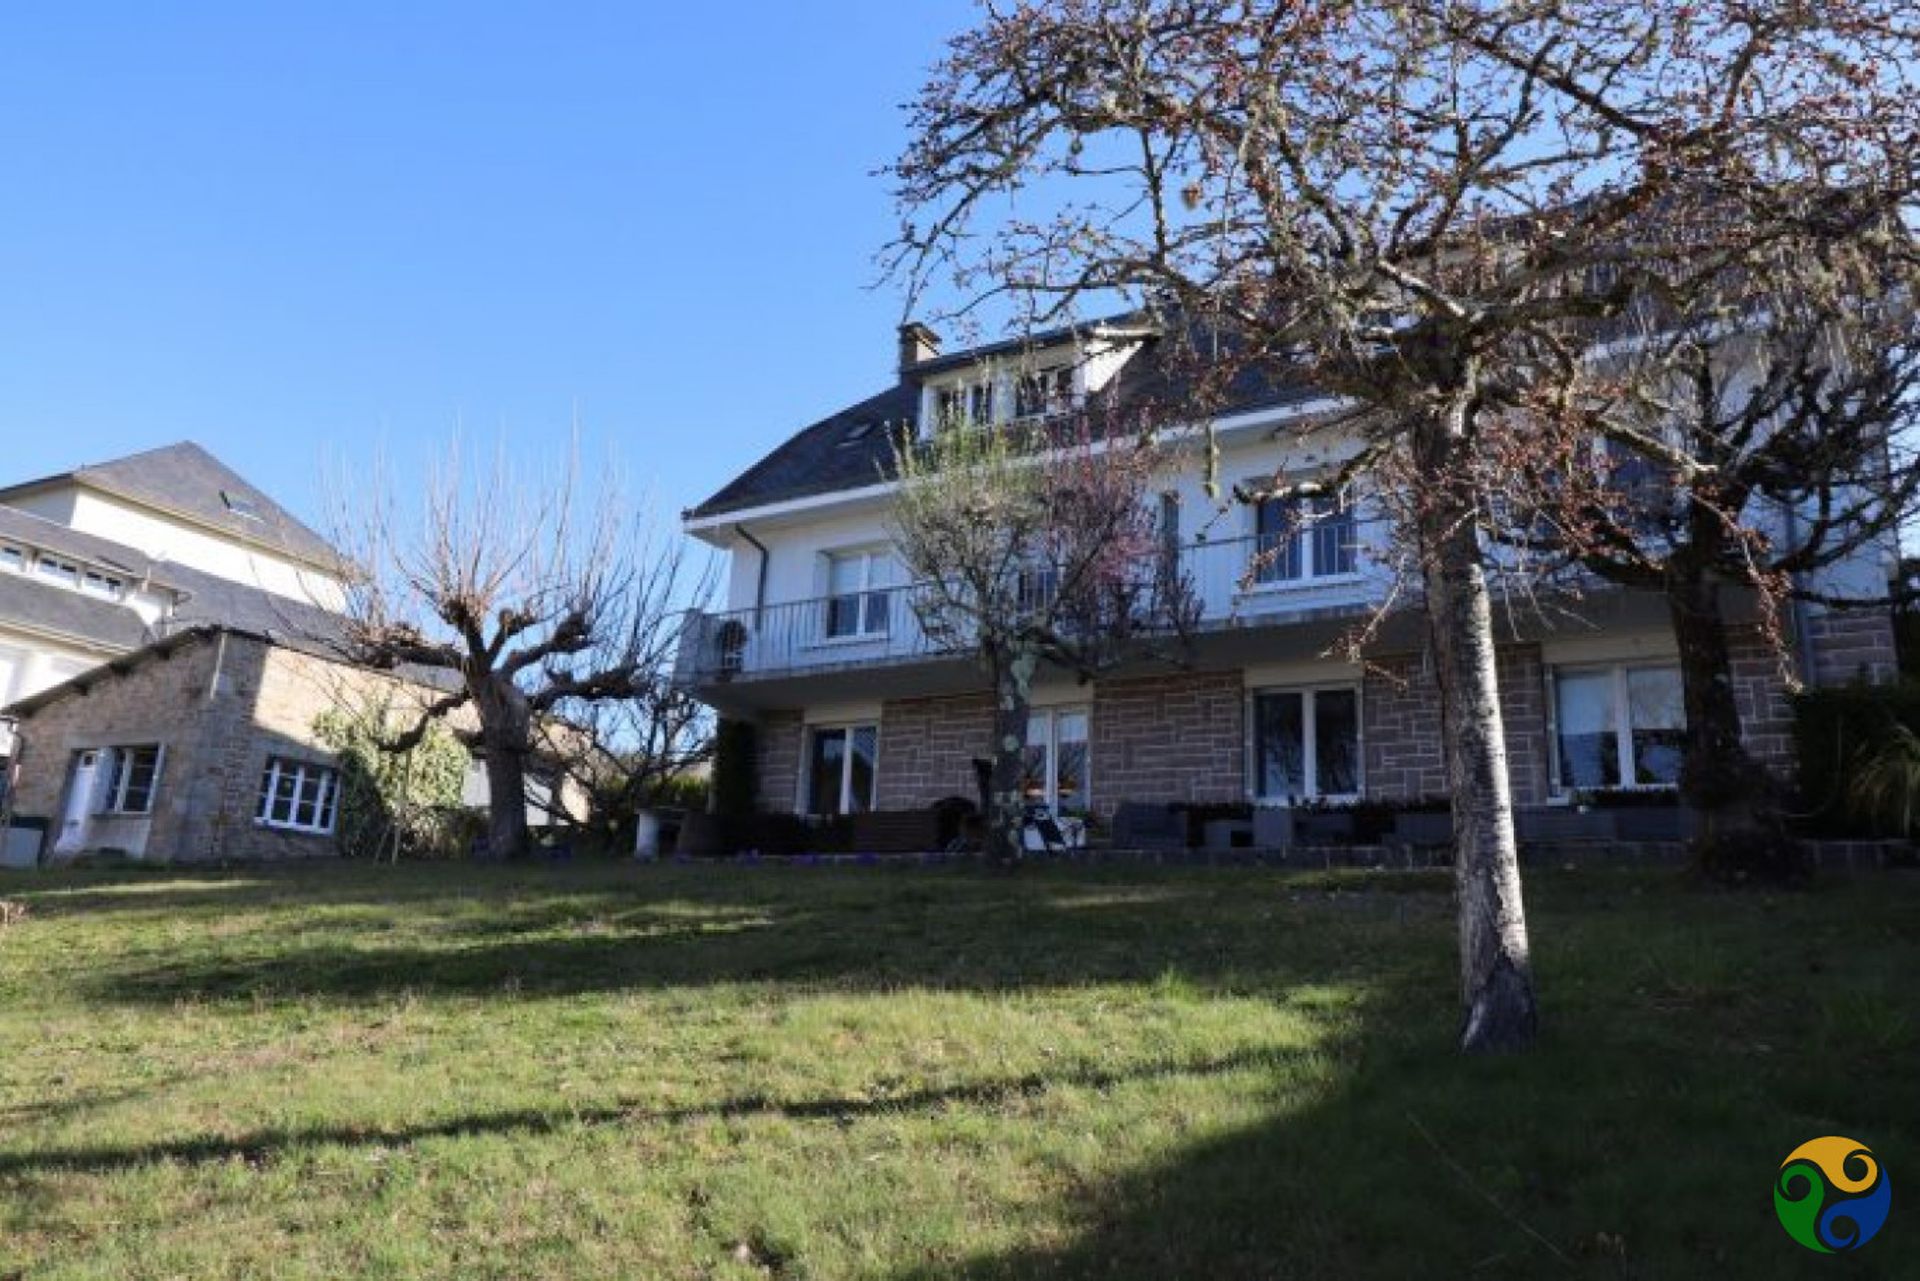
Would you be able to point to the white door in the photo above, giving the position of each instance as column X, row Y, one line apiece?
column 73, row 825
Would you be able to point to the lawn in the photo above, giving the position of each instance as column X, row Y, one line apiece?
column 609, row 1072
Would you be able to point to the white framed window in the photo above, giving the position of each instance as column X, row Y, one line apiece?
column 95, row 583
column 843, row 763
column 1305, row 744
column 1043, row 392
column 857, row 599
column 1305, row 538
column 13, row 558
column 133, row 777
column 298, row 795
column 1055, row 769
column 61, row 571
column 965, row 404
column 1622, row 725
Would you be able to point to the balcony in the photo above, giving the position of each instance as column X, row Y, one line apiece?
column 879, row 629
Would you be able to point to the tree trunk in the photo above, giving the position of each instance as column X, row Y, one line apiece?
column 1496, row 976
column 1740, row 830
column 1012, row 706
column 506, row 735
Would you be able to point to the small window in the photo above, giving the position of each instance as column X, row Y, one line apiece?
column 96, row 583
column 969, row 405
column 240, row 505
column 13, row 558
column 61, row 571
column 133, row 776
column 299, row 796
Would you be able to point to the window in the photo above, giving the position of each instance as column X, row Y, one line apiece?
column 1298, row 539
column 841, row 763
column 240, row 505
column 1043, row 392
column 63, row 571
column 857, row 600
column 969, row 404
column 299, row 796
column 1055, row 772
column 96, row 583
column 1306, row 743
column 133, row 775
column 13, row 558
column 1618, row 727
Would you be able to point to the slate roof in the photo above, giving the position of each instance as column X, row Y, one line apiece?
column 204, row 598
column 854, row 447
column 185, row 479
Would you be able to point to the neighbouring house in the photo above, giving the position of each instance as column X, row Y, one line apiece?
column 166, row 643
column 820, row 647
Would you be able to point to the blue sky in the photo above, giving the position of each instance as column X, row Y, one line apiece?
column 313, row 233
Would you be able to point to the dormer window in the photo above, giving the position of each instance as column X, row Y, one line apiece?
column 969, row 405
column 1044, row 392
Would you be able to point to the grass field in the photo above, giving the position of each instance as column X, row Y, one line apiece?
column 613, row 1072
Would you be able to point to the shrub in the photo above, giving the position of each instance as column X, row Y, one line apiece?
column 395, row 803
column 1835, row 731
column 736, row 769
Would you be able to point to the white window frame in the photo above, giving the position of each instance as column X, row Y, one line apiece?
column 871, row 559
column 1059, row 386
column 13, row 558
column 114, row 787
column 60, row 571
column 1050, row 773
column 325, row 779
column 1346, row 500
column 804, row 802
column 95, row 583
column 1310, row 744
column 1623, row 723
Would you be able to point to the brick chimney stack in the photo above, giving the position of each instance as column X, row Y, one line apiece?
column 918, row 344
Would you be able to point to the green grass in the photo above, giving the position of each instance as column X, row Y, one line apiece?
column 604, row 1072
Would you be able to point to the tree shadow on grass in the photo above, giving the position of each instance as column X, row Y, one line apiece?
column 260, row 1147
column 857, row 934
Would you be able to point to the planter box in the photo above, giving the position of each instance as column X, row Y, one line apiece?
column 1423, row 828
column 1546, row 825
column 1273, row 829
column 1323, row 829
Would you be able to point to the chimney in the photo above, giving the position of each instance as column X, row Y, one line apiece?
column 917, row 345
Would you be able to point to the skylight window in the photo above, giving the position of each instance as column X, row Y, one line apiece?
column 858, row 432
column 240, row 505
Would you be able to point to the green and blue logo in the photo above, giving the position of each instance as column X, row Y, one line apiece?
column 1831, row 1194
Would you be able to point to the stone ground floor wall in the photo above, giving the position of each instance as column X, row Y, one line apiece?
column 1182, row 736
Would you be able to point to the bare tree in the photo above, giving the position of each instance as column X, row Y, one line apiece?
column 1033, row 546
column 1739, row 455
column 525, row 597
column 1428, row 209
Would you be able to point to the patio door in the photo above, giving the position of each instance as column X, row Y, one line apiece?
column 80, row 793
column 1306, row 744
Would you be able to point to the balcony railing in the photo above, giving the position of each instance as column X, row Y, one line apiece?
column 1230, row 581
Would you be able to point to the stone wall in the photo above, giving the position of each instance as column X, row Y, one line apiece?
column 1850, row 645
column 1175, row 737
column 928, row 746
column 777, row 757
column 1401, row 725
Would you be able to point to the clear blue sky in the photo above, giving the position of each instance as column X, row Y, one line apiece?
column 296, row 233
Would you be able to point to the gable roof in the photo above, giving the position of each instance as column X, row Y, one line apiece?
column 183, row 479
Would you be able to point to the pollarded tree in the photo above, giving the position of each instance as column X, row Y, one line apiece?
column 1031, row 545
column 531, row 600
column 1430, row 209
